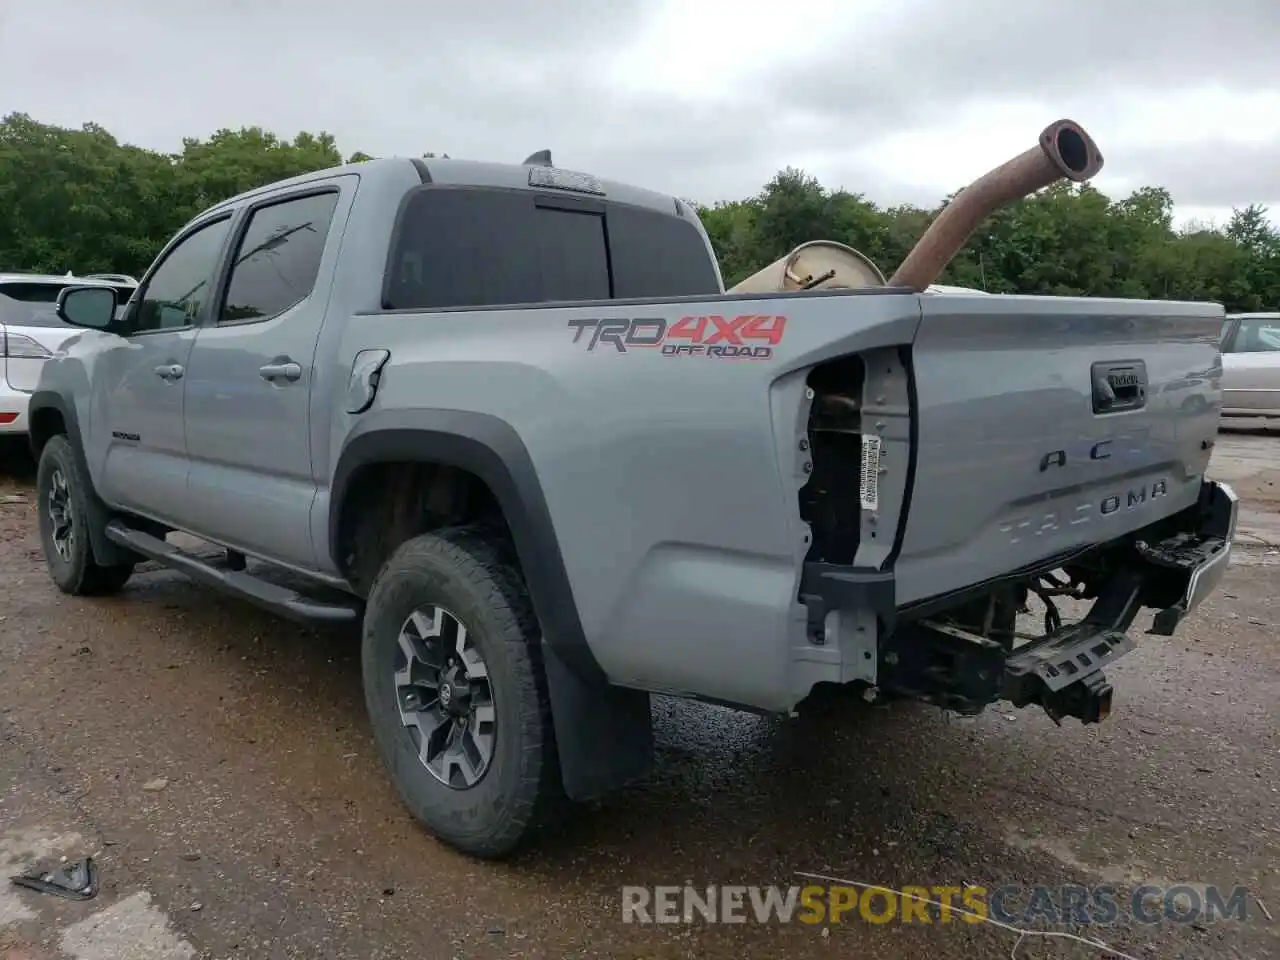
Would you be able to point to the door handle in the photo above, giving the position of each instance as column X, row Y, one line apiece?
column 170, row 371
column 284, row 370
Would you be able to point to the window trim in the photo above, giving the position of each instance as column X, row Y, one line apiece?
column 566, row 204
column 1227, row 339
column 245, row 220
column 144, row 285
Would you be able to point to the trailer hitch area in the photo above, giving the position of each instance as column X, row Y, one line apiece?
column 961, row 671
column 1063, row 672
column 1088, row 699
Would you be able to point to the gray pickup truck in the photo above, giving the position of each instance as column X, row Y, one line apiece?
column 506, row 417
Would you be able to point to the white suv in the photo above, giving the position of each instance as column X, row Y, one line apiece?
column 30, row 333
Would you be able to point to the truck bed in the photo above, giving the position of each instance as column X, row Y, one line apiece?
column 690, row 485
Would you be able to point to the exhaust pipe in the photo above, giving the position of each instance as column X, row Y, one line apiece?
column 1064, row 151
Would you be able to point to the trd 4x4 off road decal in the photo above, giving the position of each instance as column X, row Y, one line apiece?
column 748, row 337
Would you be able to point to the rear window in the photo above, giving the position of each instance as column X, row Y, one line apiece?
column 480, row 247
column 656, row 255
column 24, row 303
column 29, row 292
column 27, row 304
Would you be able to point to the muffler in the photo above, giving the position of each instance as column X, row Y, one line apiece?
column 813, row 265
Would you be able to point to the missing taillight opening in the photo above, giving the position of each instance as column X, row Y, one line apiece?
column 829, row 501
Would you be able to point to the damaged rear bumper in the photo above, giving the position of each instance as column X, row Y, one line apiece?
column 1172, row 568
column 1063, row 671
column 1199, row 557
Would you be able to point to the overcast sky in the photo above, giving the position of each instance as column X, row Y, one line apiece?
column 706, row 99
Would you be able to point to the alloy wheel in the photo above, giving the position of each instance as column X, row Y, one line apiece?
column 61, row 521
column 444, row 697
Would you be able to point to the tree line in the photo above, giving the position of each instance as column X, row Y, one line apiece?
column 80, row 200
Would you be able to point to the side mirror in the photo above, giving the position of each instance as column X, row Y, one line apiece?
column 92, row 307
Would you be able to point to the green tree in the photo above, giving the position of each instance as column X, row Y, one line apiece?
column 79, row 200
column 232, row 161
column 1065, row 240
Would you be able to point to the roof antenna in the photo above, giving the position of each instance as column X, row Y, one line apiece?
column 540, row 159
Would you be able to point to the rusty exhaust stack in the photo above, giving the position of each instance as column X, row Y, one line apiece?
column 1064, row 151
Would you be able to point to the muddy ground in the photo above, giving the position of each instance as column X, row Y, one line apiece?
column 219, row 765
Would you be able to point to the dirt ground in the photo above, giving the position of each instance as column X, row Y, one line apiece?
column 218, row 764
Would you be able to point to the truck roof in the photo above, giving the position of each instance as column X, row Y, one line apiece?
column 476, row 173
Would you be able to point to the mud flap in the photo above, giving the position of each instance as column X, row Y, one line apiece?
column 604, row 734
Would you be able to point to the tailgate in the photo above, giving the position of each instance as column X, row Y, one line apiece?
column 1048, row 424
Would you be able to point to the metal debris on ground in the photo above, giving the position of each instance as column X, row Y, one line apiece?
column 71, row 881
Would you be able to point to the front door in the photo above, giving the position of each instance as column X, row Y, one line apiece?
column 250, row 375
column 137, row 410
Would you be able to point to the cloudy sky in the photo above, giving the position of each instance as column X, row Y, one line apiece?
column 903, row 101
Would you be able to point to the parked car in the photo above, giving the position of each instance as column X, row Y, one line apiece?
column 30, row 333
column 511, row 415
column 950, row 288
column 122, row 279
column 1251, row 365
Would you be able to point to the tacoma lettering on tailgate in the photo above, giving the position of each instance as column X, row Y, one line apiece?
column 1051, row 521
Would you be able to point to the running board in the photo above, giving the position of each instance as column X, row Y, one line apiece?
column 262, row 593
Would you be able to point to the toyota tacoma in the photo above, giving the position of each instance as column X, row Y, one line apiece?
column 507, row 419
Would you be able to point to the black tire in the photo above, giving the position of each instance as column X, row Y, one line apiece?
column 521, row 786
column 74, row 570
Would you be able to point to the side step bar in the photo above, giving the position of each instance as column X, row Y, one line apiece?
column 269, row 596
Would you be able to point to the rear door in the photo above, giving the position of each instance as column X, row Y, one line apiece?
column 1251, row 366
column 251, row 371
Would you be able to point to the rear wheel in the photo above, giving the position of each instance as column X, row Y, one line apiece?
column 64, row 525
column 456, row 695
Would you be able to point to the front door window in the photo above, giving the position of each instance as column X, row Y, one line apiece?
column 178, row 289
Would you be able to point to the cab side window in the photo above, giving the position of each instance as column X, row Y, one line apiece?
column 278, row 260
column 179, row 287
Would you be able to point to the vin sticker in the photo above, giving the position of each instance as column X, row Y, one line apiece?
column 869, row 487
